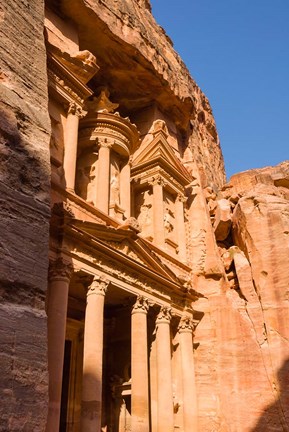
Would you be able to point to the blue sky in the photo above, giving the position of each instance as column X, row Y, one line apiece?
column 238, row 53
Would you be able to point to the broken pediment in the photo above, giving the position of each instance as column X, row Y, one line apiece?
column 159, row 153
column 124, row 243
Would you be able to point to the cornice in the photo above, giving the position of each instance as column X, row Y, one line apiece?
column 65, row 86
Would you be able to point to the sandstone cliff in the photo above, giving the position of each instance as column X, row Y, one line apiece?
column 140, row 66
column 239, row 237
column 243, row 353
column 24, row 191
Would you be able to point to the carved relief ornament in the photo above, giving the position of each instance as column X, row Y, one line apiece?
column 186, row 324
column 59, row 270
column 76, row 110
column 98, row 286
column 158, row 180
column 164, row 315
column 141, row 305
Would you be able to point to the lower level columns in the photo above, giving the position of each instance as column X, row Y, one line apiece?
column 188, row 374
column 139, row 367
column 164, row 372
column 57, row 299
column 92, row 357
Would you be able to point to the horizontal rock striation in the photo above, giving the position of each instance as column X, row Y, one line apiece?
column 24, row 221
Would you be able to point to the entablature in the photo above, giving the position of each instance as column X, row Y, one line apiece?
column 64, row 85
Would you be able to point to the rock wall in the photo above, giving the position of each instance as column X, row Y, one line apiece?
column 150, row 71
column 24, row 208
column 239, row 239
column 243, row 354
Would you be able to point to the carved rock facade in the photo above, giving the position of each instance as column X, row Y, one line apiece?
column 167, row 294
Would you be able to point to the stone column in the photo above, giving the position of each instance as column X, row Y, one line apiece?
column 125, row 192
column 70, row 145
column 92, row 356
column 158, row 211
column 188, row 374
column 139, row 367
column 164, row 372
column 103, row 176
column 57, row 299
column 181, row 231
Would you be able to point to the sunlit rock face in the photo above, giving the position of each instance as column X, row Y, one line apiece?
column 245, row 330
column 138, row 204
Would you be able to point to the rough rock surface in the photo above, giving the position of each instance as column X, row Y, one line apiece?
column 24, row 208
column 162, row 77
column 241, row 342
column 242, row 360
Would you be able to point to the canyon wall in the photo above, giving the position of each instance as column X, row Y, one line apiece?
column 238, row 241
column 24, row 222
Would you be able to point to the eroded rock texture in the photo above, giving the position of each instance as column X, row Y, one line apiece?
column 24, row 197
column 237, row 235
column 243, row 337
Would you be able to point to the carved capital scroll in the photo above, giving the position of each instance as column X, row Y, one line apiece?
column 104, row 142
column 158, row 180
column 181, row 198
column 141, row 305
column 59, row 270
column 75, row 109
column 164, row 315
column 186, row 324
column 98, row 286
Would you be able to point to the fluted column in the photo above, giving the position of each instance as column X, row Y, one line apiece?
column 188, row 374
column 92, row 356
column 103, row 176
column 57, row 299
column 164, row 371
column 70, row 144
column 139, row 367
column 125, row 192
column 181, row 231
column 158, row 211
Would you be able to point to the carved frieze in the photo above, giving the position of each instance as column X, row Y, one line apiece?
column 64, row 84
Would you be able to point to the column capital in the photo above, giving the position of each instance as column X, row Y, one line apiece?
column 181, row 198
column 76, row 110
column 141, row 305
column 59, row 270
column 186, row 324
column 164, row 315
column 104, row 142
column 158, row 180
column 98, row 286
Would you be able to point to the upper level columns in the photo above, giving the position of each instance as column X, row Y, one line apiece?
column 70, row 144
column 188, row 374
column 158, row 211
column 125, row 192
column 92, row 357
column 57, row 299
column 164, row 372
column 181, row 231
column 103, row 176
column 139, row 367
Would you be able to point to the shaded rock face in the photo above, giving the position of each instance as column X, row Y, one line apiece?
column 140, row 67
column 24, row 209
column 244, row 333
column 238, row 234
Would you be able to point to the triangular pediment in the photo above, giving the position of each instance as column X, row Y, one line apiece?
column 125, row 246
column 159, row 151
